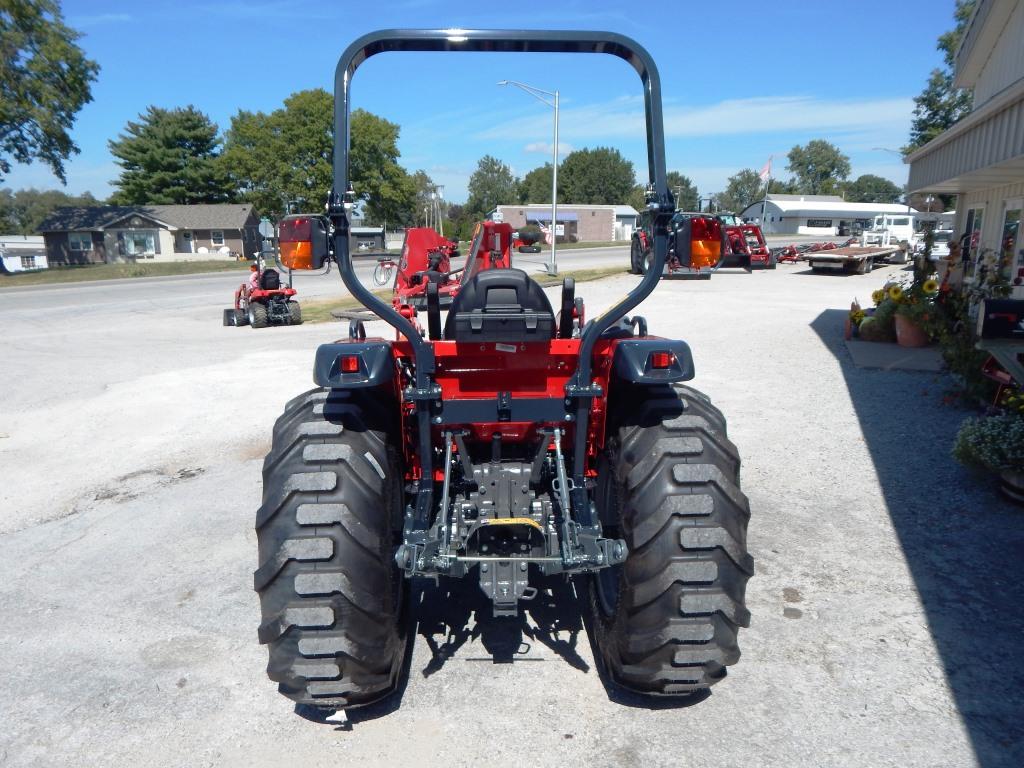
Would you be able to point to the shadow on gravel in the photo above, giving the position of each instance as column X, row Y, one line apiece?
column 963, row 543
column 455, row 611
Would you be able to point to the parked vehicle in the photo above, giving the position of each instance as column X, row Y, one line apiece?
column 512, row 446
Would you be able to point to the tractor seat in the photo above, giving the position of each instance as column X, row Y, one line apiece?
column 270, row 280
column 500, row 305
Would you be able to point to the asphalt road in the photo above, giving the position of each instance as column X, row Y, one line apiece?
column 886, row 629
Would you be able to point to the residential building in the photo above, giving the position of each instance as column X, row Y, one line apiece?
column 981, row 158
column 21, row 253
column 113, row 233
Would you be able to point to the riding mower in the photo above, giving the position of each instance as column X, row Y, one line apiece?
column 265, row 303
column 509, row 444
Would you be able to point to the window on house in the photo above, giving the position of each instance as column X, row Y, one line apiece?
column 28, row 262
column 140, row 242
column 80, row 241
column 217, row 236
column 971, row 240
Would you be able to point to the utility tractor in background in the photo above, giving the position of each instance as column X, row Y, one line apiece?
column 700, row 233
column 512, row 444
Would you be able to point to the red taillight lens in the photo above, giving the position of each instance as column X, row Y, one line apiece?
column 350, row 364
column 662, row 360
column 705, row 242
column 295, row 237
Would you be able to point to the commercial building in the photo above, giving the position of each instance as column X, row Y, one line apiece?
column 576, row 223
column 825, row 215
column 981, row 158
column 22, row 253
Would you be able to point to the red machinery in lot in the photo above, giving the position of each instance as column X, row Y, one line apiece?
column 510, row 445
column 264, row 301
column 427, row 259
column 745, row 247
column 701, row 235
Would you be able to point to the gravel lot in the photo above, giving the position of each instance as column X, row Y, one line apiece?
column 885, row 631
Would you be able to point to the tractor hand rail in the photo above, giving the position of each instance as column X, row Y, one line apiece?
column 533, row 41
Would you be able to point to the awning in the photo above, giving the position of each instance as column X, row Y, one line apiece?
column 546, row 216
column 985, row 149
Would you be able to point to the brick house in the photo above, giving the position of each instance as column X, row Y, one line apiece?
column 119, row 233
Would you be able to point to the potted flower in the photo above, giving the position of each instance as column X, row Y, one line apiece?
column 995, row 443
column 915, row 313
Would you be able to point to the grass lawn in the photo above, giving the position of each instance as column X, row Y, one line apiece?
column 118, row 271
column 319, row 310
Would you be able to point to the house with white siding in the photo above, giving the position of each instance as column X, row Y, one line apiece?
column 981, row 158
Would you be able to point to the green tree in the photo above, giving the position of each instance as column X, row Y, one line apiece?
column 285, row 157
column 742, row 189
column 387, row 190
column 169, row 156
column 536, row 186
column 781, row 187
column 424, row 189
column 819, row 167
column 941, row 105
column 600, row 176
column 869, row 188
column 491, row 184
column 23, row 211
column 44, row 81
column 684, row 189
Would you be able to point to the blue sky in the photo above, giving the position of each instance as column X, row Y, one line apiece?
column 741, row 81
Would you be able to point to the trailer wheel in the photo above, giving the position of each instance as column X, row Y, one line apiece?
column 257, row 315
column 635, row 257
column 865, row 266
column 333, row 602
column 294, row 313
column 666, row 621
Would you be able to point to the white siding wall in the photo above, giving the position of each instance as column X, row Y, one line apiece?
column 993, row 199
column 1005, row 65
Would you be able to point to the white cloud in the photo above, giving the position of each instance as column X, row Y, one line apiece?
column 99, row 19
column 544, row 148
column 624, row 117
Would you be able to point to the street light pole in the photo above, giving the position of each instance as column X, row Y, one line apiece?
column 539, row 94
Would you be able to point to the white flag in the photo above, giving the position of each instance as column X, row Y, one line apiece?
column 766, row 172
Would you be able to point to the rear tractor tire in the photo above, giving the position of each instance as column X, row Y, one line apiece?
column 257, row 315
column 666, row 621
column 294, row 313
column 333, row 602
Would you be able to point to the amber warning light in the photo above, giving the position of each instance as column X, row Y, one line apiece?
column 303, row 242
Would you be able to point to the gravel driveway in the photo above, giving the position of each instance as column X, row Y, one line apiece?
column 886, row 630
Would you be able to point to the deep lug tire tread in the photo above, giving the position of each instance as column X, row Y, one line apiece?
column 258, row 317
column 332, row 600
column 675, row 477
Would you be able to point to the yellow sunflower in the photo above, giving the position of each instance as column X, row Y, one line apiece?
column 878, row 296
column 930, row 286
column 895, row 292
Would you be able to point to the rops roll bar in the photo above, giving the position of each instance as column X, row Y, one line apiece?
column 502, row 41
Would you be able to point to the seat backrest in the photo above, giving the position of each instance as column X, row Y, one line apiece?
column 270, row 280
column 500, row 305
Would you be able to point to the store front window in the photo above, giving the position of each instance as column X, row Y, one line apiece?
column 1010, row 250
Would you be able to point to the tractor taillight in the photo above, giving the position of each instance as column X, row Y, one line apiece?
column 662, row 360
column 349, row 364
column 302, row 241
column 705, row 242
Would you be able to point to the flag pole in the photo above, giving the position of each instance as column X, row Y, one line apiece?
column 764, row 201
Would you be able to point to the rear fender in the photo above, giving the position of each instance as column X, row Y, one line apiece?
column 374, row 364
column 634, row 361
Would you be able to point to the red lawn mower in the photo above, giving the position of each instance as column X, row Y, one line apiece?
column 510, row 444
column 263, row 301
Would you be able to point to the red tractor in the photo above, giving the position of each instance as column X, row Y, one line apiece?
column 263, row 301
column 510, row 444
column 700, row 233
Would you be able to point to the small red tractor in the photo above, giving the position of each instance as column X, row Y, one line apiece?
column 512, row 445
column 263, row 301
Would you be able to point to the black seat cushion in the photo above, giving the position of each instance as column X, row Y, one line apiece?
column 500, row 305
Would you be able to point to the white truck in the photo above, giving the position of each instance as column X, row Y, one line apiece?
column 892, row 229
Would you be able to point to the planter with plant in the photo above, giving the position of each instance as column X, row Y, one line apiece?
column 995, row 443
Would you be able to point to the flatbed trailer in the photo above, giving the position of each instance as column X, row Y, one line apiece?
column 850, row 259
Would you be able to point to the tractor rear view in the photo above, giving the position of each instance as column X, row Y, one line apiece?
column 507, row 443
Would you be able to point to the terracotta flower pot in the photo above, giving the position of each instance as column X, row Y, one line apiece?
column 1011, row 484
column 909, row 334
